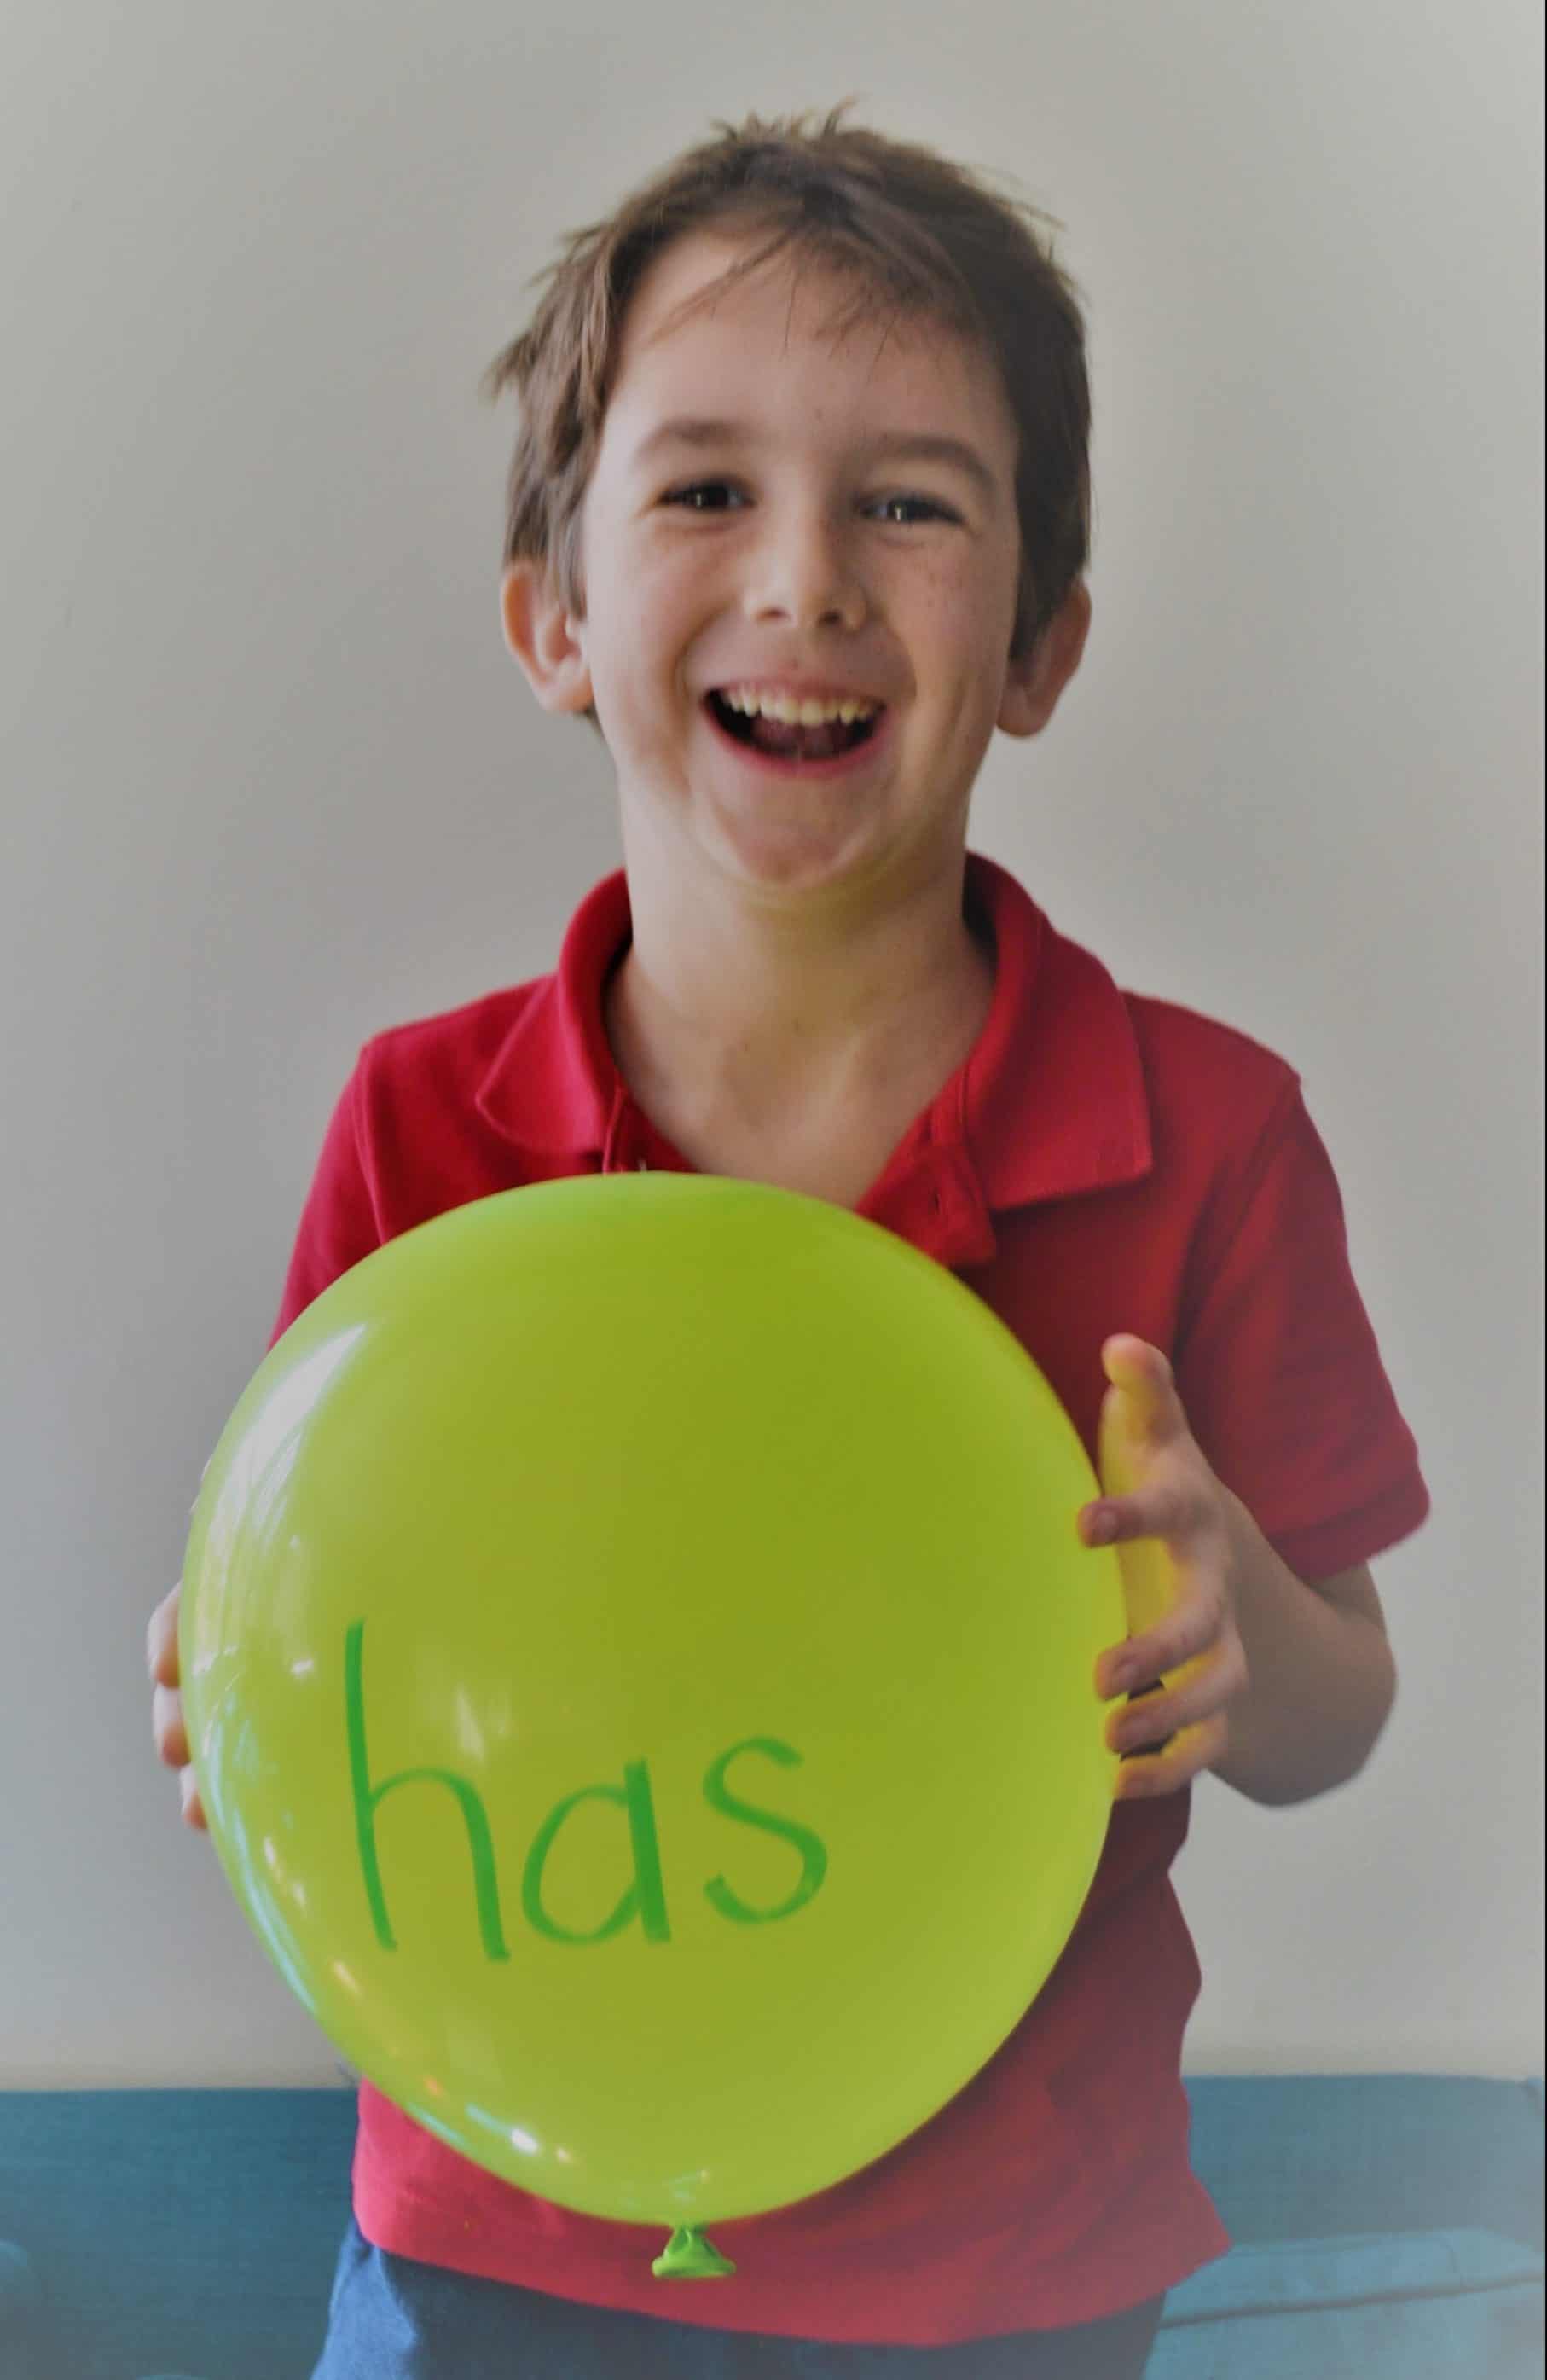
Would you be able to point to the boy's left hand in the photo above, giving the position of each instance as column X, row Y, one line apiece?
column 1180, row 1726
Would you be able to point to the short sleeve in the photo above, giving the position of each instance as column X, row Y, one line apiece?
column 338, row 1224
column 1279, row 1372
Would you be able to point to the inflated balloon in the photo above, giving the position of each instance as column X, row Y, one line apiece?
column 637, row 1663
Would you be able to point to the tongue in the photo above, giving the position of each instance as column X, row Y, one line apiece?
column 802, row 743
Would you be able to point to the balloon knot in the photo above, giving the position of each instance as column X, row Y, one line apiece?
column 688, row 2256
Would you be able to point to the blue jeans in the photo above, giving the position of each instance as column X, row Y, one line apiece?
column 393, row 2319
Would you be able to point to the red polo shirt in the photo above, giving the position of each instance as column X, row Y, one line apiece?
column 1101, row 1162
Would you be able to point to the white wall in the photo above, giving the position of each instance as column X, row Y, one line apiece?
column 271, row 783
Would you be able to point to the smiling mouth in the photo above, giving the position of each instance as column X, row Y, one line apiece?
column 825, row 742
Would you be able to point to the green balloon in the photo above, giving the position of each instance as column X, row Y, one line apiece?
column 637, row 1662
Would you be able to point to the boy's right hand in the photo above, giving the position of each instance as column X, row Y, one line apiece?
column 171, row 1743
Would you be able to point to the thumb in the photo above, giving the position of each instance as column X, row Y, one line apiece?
column 1142, row 1403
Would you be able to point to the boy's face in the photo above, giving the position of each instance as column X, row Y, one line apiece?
column 786, row 549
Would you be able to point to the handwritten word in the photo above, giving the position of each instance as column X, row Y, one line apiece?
column 643, row 1900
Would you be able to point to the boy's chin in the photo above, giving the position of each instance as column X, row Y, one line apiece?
column 714, row 832
column 791, row 857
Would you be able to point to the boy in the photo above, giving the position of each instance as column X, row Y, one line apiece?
column 798, row 515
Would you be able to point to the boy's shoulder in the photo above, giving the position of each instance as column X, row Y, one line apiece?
column 1192, row 1045
column 514, row 1065
column 1219, row 1100
column 458, row 1039
column 1077, row 1037
column 433, row 1076
column 506, row 1031
column 1087, row 1034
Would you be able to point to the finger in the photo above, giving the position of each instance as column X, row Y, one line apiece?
column 1201, row 1691
column 166, row 1717
column 193, row 1808
column 1198, row 1625
column 1142, row 1390
column 1155, row 1739
column 1177, row 1511
column 161, row 1641
column 1184, row 1757
column 1196, row 1630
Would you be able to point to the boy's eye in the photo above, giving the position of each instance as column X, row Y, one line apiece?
column 923, row 506
column 699, row 497
column 704, row 495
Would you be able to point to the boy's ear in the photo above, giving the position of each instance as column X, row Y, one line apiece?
column 1034, row 684
column 544, row 638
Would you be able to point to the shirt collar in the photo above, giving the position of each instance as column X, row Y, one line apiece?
column 1050, row 1101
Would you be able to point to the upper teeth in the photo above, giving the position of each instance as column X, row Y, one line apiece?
column 792, row 710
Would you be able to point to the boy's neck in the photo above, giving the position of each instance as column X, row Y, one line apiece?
column 734, row 1018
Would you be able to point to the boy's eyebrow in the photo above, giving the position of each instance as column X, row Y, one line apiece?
column 895, row 445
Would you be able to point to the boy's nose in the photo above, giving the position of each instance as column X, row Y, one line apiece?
column 807, row 574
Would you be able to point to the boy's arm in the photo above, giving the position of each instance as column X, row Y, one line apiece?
column 1320, row 1679
column 337, row 1229
column 1282, row 1689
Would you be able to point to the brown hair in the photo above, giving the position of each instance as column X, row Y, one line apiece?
column 909, row 230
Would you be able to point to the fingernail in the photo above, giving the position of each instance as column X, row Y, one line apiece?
column 1102, row 1526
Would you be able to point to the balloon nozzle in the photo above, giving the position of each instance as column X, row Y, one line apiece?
column 688, row 2256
